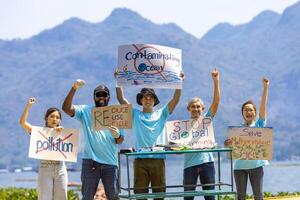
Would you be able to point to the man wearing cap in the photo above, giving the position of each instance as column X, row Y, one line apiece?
column 149, row 128
column 99, row 147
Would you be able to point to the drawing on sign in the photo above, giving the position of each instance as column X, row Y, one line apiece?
column 47, row 144
column 149, row 66
column 196, row 133
column 250, row 143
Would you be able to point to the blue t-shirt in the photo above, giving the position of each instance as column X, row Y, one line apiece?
column 251, row 164
column 99, row 146
column 149, row 129
column 193, row 159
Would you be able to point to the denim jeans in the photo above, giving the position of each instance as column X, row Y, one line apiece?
column 52, row 180
column 256, row 180
column 92, row 172
column 206, row 172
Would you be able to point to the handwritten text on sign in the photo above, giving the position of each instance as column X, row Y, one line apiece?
column 149, row 65
column 250, row 143
column 47, row 144
column 197, row 133
column 116, row 115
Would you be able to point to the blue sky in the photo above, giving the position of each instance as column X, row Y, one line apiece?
column 24, row 18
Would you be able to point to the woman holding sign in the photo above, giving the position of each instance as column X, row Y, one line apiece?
column 52, row 177
column 252, row 168
column 201, row 164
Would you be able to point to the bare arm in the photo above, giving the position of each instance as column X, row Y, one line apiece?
column 264, row 98
column 174, row 101
column 67, row 106
column 119, row 140
column 23, row 120
column 119, row 91
column 216, row 100
column 176, row 97
column 120, row 96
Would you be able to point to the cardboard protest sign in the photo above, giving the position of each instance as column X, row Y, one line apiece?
column 47, row 144
column 119, row 116
column 148, row 65
column 250, row 143
column 196, row 133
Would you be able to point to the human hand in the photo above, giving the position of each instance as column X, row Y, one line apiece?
column 78, row 84
column 58, row 128
column 215, row 74
column 31, row 101
column 116, row 72
column 228, row 143
column 265, row 81
column 114, row 131
column 182, row 75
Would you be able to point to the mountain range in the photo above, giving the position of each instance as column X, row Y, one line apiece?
column 46, row 65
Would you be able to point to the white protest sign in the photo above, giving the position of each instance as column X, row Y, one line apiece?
column 250, row 143
column 148, row 65
column 119, row 116
column 196, row 133
column 47, row 144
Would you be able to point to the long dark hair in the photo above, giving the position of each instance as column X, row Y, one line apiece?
column 49, row 111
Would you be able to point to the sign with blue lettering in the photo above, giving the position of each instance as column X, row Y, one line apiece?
column 47, row 144
column 195, row 133
column 250, row 143
column 148, row 65
column 119, row 116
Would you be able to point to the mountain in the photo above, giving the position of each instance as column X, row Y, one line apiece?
column 46, row 65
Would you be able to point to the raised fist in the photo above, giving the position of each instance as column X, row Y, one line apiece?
column 31, row 100
column 78, row 84
column 265, row 81
column 215, row 74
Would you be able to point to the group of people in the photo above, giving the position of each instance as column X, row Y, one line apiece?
column 148, row 124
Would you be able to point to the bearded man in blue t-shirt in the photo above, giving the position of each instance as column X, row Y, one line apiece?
column 99, row 148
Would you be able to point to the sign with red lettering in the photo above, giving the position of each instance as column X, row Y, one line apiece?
column 119, row 116
column 48, row 144
column 196, row 133
column 250, row 143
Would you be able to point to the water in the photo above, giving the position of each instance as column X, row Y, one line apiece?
column 279, row 176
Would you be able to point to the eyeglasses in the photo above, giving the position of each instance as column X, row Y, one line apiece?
column 101, row 94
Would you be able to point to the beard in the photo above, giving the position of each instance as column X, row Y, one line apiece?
column 101, row 103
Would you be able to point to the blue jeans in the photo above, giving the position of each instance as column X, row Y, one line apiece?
column 256, row 180
column 206, row 172
column 92, row 172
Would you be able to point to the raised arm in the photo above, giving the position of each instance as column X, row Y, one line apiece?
column 23, row 120
column 264, row 98
column 174, row 101
column 120, row 96
column 67, row 106
column 216, row 100
column 176, row 97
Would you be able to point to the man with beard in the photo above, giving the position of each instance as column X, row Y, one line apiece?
column 99, row 148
